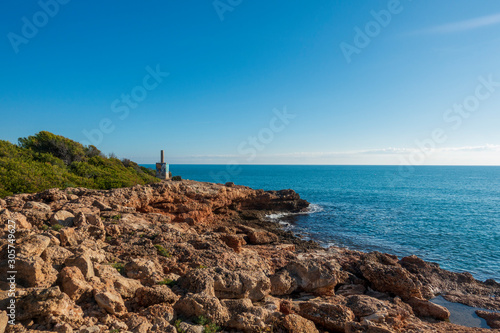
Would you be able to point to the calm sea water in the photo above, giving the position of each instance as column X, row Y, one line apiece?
column 448, row 215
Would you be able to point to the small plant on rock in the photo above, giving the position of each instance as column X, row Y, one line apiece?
column 45, row 227
column 177, row 325
column 57, row 227
column 119, row 267
column 117, row 217
column 162, row 251
column 167, row 282
column 208, row 326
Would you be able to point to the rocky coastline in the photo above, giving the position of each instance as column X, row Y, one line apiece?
column 186, row 256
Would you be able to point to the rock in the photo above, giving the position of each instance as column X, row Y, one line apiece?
column 33, row 246
column 63, row 218
column 41, row 305
column 102, row 206
column 246, row 317
column 110, row 301
column 138, row 324
column 69, row 237
column 259, row 237
column 293, row 323
column 195, row 305
column 235, row 242
column 189, row 328
column 392, row 279
column 34, row 272
column 74, row 284
column 147, row 296
column 83, row 262
column 124, row 286
column 3, row 321
column 37, row 206
column 282, row 283
column 316, row 276
column 143, row 269
column 80, row 220
column 326, row 315
column 424, row 308
column 223, row 283
column 492, row 318
column 56, row 255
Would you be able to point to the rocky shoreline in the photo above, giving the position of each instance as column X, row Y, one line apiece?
column 185, row 256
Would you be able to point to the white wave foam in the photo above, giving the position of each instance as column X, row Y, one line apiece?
column 313, row 208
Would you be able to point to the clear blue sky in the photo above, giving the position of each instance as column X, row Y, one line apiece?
column 233, row 65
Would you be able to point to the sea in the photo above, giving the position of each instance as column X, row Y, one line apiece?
column 444, row 214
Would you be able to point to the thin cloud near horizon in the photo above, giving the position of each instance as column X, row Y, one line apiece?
column 464, row 25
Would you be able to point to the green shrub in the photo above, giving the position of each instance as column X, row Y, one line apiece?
column 162, row 251
column 45, row 227
column 119, row 267
column 57, row 227
column 208, row 326
column 167, row 282
column 177, row 178
column 46, row 160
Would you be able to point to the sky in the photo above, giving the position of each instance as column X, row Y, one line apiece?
column 257, row 82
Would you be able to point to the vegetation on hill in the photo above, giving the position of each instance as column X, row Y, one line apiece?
column 46, row 160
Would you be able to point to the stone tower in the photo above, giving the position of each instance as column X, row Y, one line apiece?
column 162, row 171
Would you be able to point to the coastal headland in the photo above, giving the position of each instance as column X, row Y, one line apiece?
column 186, row 256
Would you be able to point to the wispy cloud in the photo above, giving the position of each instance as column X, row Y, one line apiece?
column 464, row 25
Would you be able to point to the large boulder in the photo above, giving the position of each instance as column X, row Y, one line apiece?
column 424, row 308
column 330, row 316
column 47, row 304
column 293, row 323
column 124, row 286
column 74, row 284
column 33, row 246
column 195, row 305
column 223, row 283
column 316, row 276
column 146, row 296
column 63, row 218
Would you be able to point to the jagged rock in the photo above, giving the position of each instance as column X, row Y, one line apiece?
column 110, row 300
column 56, row 255
column 424, row 308
column 3, row 321
column 223, row 283
column 21, row 223
column 392, row 279
column 138, row 324
column 124, row 286
column 143, row 269
column 74, row 284
column 37, row 206
column 326, row 315
column 195, row 305
column 293, row 323
column 63, row 218
column 235, row 242
column 350, row 289
column 190, row 328
column 282, row 283
column 316, row 276
column 44, row 305
column 33, row 246
column 246, row 317
column 160, row 315
column 101, row 205
column 83, row 262
column 34, row 272
column 147, row 296
column 258, row 237
column 69, row 237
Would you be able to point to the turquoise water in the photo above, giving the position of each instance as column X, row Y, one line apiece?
column 448, row 215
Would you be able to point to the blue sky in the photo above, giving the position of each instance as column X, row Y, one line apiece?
column 257, row 82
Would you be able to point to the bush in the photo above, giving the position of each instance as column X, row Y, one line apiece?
column 177, row 178
column 162, row 251
column 46, row 160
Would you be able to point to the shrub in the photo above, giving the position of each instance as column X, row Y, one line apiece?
column 46, row 160
column 119, row 267
column 162, row 251
column 167, row 282
column 177, row 178
column 57, row 227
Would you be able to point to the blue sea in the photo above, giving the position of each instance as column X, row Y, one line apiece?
column 444, row 214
